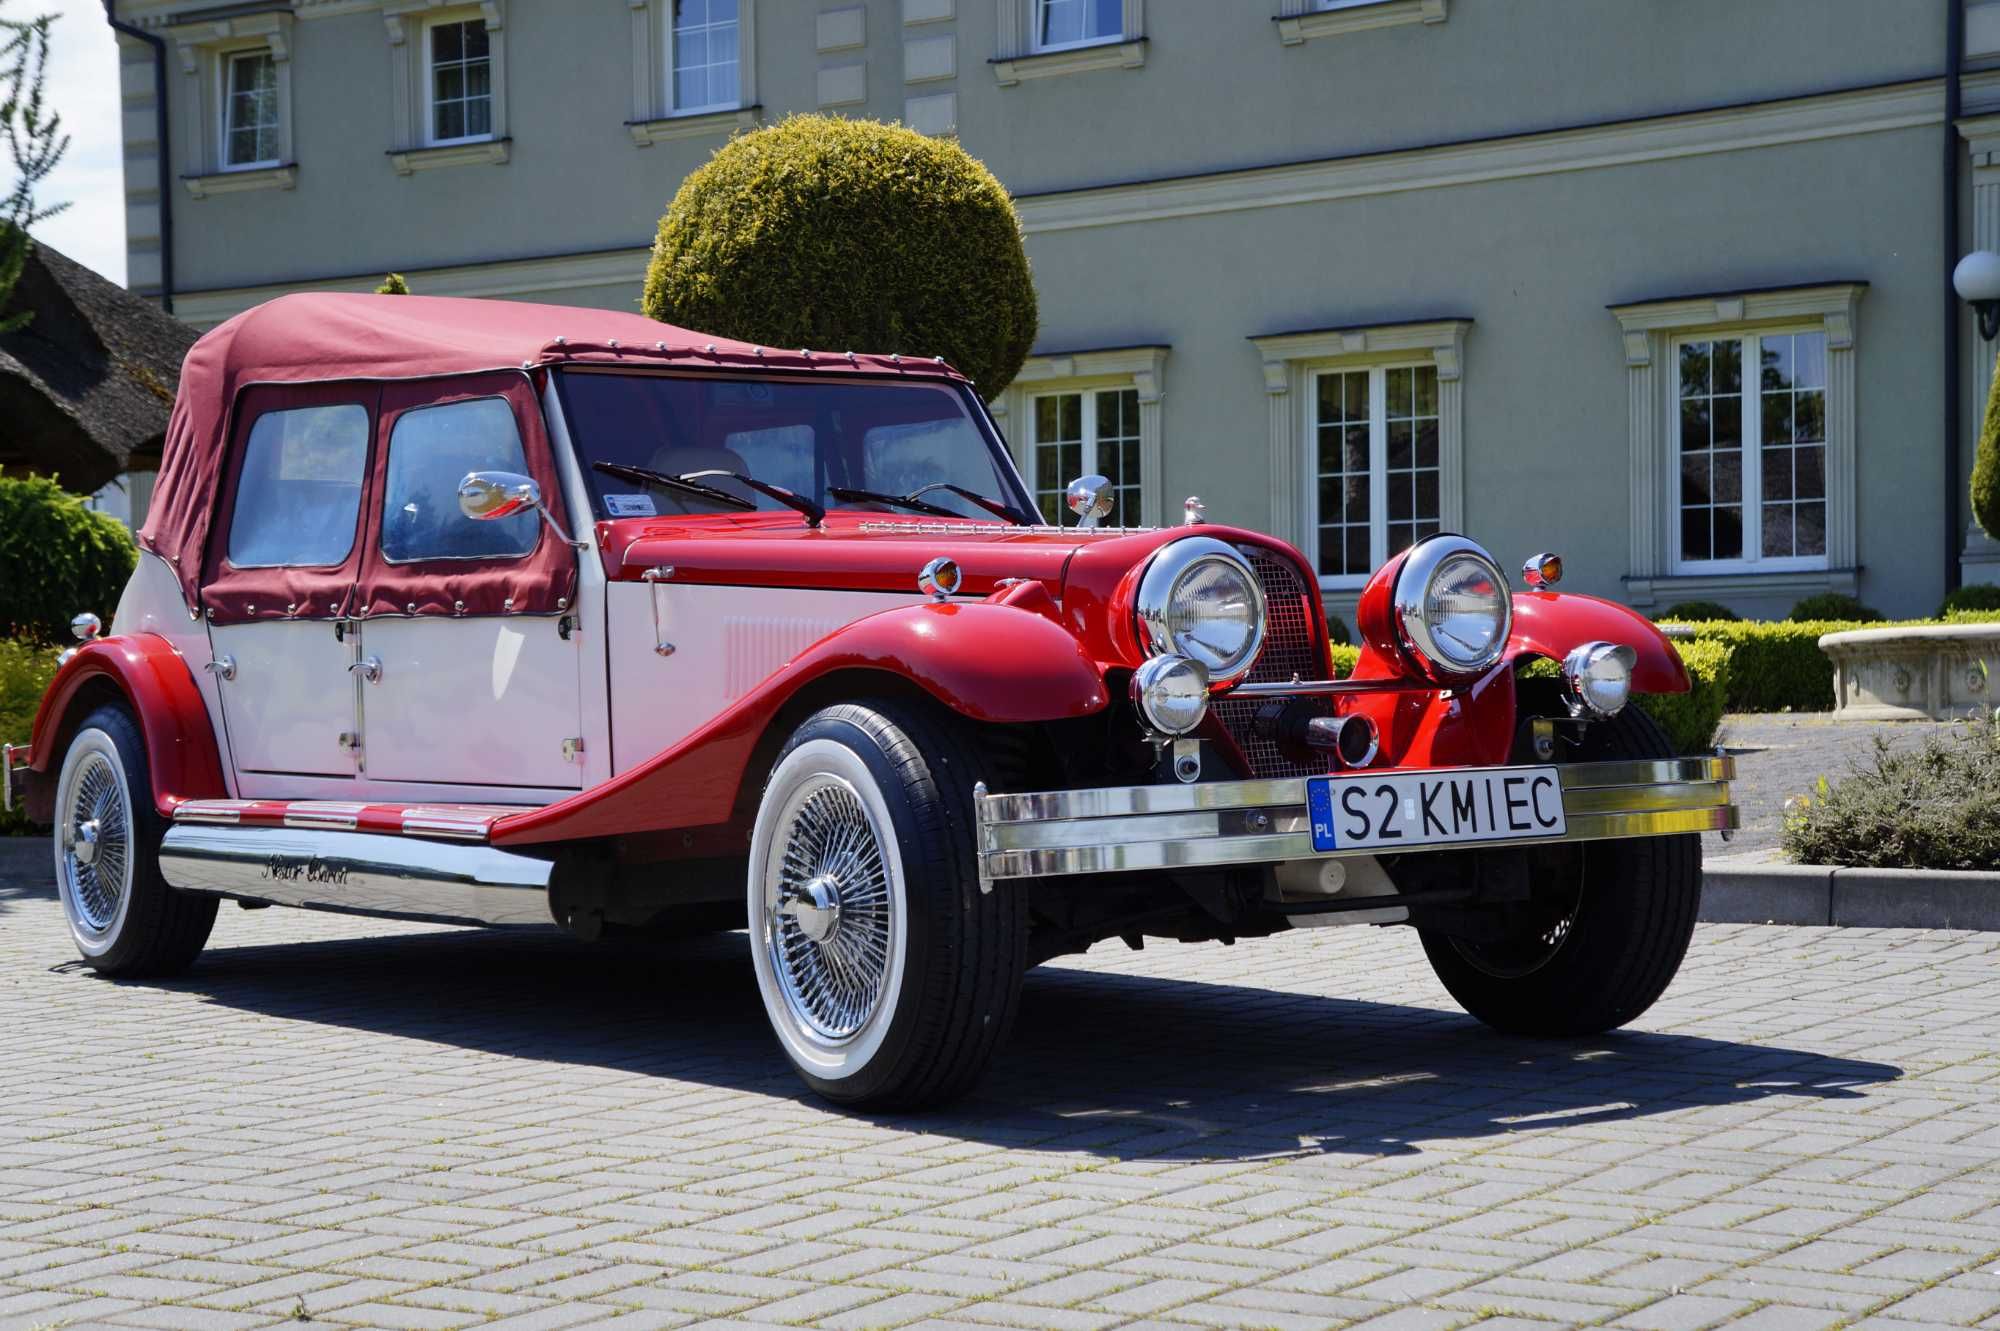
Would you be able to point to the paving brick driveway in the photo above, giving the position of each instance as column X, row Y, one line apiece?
column 373, row 1124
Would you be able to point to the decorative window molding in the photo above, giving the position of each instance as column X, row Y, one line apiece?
column 1291, row 362
column 1652, row 331
column 1299, row 21
column 408, row 24
column 283, row 176
column 1142, row 369
column 655, row 119
column 206, row 50
column 1021, row 56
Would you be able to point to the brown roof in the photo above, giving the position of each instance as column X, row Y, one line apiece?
column 86, row 387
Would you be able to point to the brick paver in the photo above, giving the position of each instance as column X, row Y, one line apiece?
column 364, row 1124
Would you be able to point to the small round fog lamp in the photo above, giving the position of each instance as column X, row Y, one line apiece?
column 1597, row 678
column 1171, row 693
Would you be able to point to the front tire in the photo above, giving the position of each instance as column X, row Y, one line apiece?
column 123, row 917
column 889, row 978
column 1606, row 931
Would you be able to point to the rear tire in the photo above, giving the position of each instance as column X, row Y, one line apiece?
column 1592, row 954
column 124, row 918
column 889, row 977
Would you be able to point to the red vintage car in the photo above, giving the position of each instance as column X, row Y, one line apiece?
column 505, row 614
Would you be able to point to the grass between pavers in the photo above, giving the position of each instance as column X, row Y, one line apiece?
column 1933, row 807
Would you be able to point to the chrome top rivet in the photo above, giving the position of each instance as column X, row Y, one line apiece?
column 250, row 609
column 412, row 607
column 562, row 341
column 895, row 358
column 940, row 360
column 562, row 603
column 852, row 359
column 508, row 604
column 291, row 609
column 806, row 352
column 757, row 351
column 659, row 346
column 709, row 349
column 458, row 607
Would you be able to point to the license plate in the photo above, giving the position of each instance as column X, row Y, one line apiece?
column 1390, row 810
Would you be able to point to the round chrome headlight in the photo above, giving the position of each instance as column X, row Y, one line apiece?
column 1200, row 599
column 1171, row 692
column 1452, row 605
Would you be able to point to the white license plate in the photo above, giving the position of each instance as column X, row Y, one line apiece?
column 1391, row 810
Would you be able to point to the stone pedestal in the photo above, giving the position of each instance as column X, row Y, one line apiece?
column 1934, row 672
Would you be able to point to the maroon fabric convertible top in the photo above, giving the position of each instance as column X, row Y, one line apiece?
column 333, row 337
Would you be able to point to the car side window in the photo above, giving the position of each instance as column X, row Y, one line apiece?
column 299, row 493
column 430, row 451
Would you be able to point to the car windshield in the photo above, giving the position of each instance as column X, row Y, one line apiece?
column 813, row 438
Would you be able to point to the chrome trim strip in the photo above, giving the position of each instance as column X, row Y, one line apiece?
column 1118, row 829
column 359, row 873
column 1319, row 687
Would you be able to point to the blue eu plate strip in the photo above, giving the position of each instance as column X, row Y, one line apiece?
column 1319, row 804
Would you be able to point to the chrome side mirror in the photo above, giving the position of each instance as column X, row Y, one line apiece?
column 86, row 627
column 488, row 496
column 1090, row 498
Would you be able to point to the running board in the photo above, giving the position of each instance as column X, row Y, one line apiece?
column 358, row 873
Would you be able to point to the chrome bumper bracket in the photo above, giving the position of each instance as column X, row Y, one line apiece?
column 1222, row 823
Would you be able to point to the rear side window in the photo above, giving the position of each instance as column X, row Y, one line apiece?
column 300, row 492
column 430, row 451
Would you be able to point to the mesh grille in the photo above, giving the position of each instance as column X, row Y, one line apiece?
column 1291, row 650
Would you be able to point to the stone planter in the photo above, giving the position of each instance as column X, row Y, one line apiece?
column 1933, row 672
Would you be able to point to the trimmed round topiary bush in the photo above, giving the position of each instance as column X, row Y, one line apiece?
column 1986, row 466
column 56, row 558
column 1976, row 596
column 1835, row 605
column 1694, row 612
column 843, row 235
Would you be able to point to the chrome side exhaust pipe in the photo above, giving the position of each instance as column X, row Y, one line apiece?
column 1351, row 739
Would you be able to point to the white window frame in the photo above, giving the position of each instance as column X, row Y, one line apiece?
column 411, row 88
column 1652, row 333
column 1292, row 365
column 225, row 66
column 1037, row 8
column 1022, row 56
column 1140, row 368
column 1751, row 501
column 428, row 59
column 1378, row 465
column 655, row 118
column 671, row 36
column 1092, row 436
column 206, row 51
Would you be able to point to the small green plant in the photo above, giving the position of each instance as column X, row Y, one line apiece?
column 1975, row 596
column 1692, row 718
column 1337, row 632
column 840, row 235
column 1986, row 466
column 1694, row 612
column 1835, row 605
column 393, row 285
column 1933, row 807
column 57, row 558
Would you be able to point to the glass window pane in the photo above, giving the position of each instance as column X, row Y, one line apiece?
column 450, row 120
column 1402, row 445
column 1809, row 416
column 1777, row 467
column 1354, row 500
column 1427, row 390
column 1728, row 533
column 1776, row 354
column 1694, row 533
column 1356, row 393
column 1694, row 480
column 1728, row 422
column 448, row 41
column 1402, row 499
column 479, row 116
column 1427, row 495
column 1809, row 360
column 1107, row 18
column 475, row 40
column 1811, row 473
column 1777, row 533
column 1728, row 370
column 1777, row 418
column 1694, row 424
column 1811, row 520
column 450, row 82
column 1728, row 476
column 430, row 451
column 1400, row 389
column 1694, row 369
column 1355, row 450
column 1357, row 550
column 299, row 493
column 1427, row 444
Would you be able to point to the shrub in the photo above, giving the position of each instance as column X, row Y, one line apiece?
column 1986, row 467
column 845, row 234
column 1336, row 631
column 1836, row 605
column 1692, row 718
column 25, row 670
column 393, row 285
column 1976, row 596
column 1691, row 612
column 1933, row 807
column 56, row 558
column 1344, row 658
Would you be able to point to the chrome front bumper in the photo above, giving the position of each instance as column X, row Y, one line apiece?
column 1212, row 824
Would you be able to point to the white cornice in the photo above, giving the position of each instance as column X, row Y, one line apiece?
column 1442, row 340
column 1833, row 303
column 1144, row 366
column 1835, row 115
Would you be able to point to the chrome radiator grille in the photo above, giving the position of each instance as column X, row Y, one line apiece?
column 1292, row 650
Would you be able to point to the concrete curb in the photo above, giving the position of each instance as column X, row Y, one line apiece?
column 1752, row 890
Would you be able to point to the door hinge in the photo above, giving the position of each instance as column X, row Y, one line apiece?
column 572, row 748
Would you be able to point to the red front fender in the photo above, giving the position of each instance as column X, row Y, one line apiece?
column 990, row 661
column 153, row 680
column 1552, row 623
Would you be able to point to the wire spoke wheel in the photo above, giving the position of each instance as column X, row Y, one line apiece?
column 96, row 843
column 828, row 922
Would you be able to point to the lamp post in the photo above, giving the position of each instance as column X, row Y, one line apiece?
column 1977, row 281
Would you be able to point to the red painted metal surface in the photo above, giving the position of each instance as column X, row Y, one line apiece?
column 1551, row 623
column 154, row 680
column 994, row 662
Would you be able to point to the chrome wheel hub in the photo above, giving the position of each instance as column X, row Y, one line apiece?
column 827, row 910
column 95, row 842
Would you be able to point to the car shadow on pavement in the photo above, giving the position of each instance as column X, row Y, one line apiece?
column 1115, row 1065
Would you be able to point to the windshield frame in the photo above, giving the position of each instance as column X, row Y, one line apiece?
column 1015, row 492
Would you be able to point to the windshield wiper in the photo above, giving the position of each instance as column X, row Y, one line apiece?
column 993, row 506
column 853, row 496
column 790, row 499
column 647, row 476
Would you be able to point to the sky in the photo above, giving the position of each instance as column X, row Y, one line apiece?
column 82, row 88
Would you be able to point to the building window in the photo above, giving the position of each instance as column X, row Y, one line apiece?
column 461, row 82
column 1751, row 486
column 1087, row 434
column 250, row 111
column 1375, row 490
column 704, row 58
column 1060, row 24
column 1743, row 443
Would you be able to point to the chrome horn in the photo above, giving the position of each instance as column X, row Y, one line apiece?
column 1090, row 498
column 489, row 496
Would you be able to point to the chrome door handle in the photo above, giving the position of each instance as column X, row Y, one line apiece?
column 222, row 669
column 369, row 668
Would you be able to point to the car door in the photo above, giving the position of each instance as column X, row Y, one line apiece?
column 469, row 647
column 279, row 577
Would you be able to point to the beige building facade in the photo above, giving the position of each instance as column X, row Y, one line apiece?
column 1660, row 284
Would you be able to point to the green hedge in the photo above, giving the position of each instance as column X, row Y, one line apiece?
column 25, row 670
column 1778, row 667
column 56, row 558
column 1933, row 807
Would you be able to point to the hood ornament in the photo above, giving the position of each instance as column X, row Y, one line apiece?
column 1194, row 512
